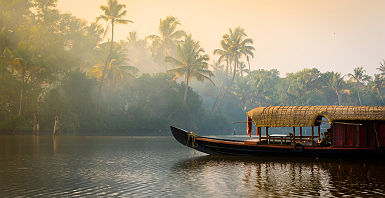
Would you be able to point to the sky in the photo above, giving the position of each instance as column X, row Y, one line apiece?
column 289, row 35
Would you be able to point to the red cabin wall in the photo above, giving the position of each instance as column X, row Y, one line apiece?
column 338, row 135
column 363, row 137
column 370, row 134
column 381, row 133
column 350, row 134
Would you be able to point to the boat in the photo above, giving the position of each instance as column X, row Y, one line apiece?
column 354, row 131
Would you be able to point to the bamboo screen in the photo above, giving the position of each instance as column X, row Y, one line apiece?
column 305, row 116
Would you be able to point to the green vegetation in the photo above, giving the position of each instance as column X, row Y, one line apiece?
column 190, row 63
column 54, row 64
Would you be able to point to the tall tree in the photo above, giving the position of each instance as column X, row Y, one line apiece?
column 224, row 55
column 139, row 53
column 382, row 68
column 190, row 62
column 378, row 83
column 359, row 77
column 113, row 14
column 336, row 82
column 238, row 45
column 168, row 39
column 234, row 44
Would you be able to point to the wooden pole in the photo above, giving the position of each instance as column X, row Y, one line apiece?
column 55, row 126
column 300, row 132
column 259, row 132
column 312, row 136
column 319, row 132
column 34, row 124
column 267, row 135
column 293, row 135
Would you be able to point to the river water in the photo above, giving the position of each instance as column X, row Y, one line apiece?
column 161, row 167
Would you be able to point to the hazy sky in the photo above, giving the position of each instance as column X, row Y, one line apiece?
column 289, row 35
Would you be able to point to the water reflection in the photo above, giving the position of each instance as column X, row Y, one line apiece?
column 159, row 166
column 284, row 176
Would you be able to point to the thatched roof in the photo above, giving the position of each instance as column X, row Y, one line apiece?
column 305, row 116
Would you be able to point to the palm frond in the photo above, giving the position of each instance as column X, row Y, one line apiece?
column 173, row 61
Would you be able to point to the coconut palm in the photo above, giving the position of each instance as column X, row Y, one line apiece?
column 22, row 68
column 336, row 82
column 382, row 68
column 113, row 14
column 248, row 60
column 168, row 38
column 241, row 90
column 242, row 68
column 359, row 77
column 238, row 45
column 18, row 67
column 234, row 45
column 116, row 72
column 117, row 69
column 378, row 83
column 190, row 63
column 224, row 55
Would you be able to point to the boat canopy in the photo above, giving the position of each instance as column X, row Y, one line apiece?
column 305, row 116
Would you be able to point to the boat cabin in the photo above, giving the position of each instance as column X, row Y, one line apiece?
column 350, row 126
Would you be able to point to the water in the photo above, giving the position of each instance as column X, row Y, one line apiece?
column 161, row 167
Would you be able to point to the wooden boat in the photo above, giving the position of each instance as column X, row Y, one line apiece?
column 355, row 131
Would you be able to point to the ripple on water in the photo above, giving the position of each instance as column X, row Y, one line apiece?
column 158, row 166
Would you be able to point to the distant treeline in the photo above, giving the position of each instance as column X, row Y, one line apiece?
column 54, row 64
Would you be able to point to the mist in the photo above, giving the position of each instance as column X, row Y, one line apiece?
column 202, row 67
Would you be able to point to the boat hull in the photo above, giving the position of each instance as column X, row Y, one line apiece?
column 214, row 146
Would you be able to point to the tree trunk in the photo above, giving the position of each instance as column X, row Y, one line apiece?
column 55, row 126
column 338, row 98
column 235, row 71
column 227, row 67
column 185, row 89
column 227, row 88
column 358, row 94
column 106, row 65
column 36, row 126
column 221, row 90
column 22, row 92
column 165, row 55
column 379, row 94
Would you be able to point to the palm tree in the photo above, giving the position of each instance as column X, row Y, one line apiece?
column 382, row 68
column 20, row 66
column 242, row 91
column 359, row 77
column 234, row 45
column 117, row 66
column 378, row 83
column 116, row 72
column 335, row 81
column 168, row 38
column 190, row 62
column 238, row 45
column 248, row 60
column 242, row 68
column 113, row 14
column 224, row 55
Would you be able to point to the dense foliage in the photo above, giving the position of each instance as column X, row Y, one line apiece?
column 54, row 64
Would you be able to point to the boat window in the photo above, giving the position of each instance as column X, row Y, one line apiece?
column 278, row 130
column 321, row 120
